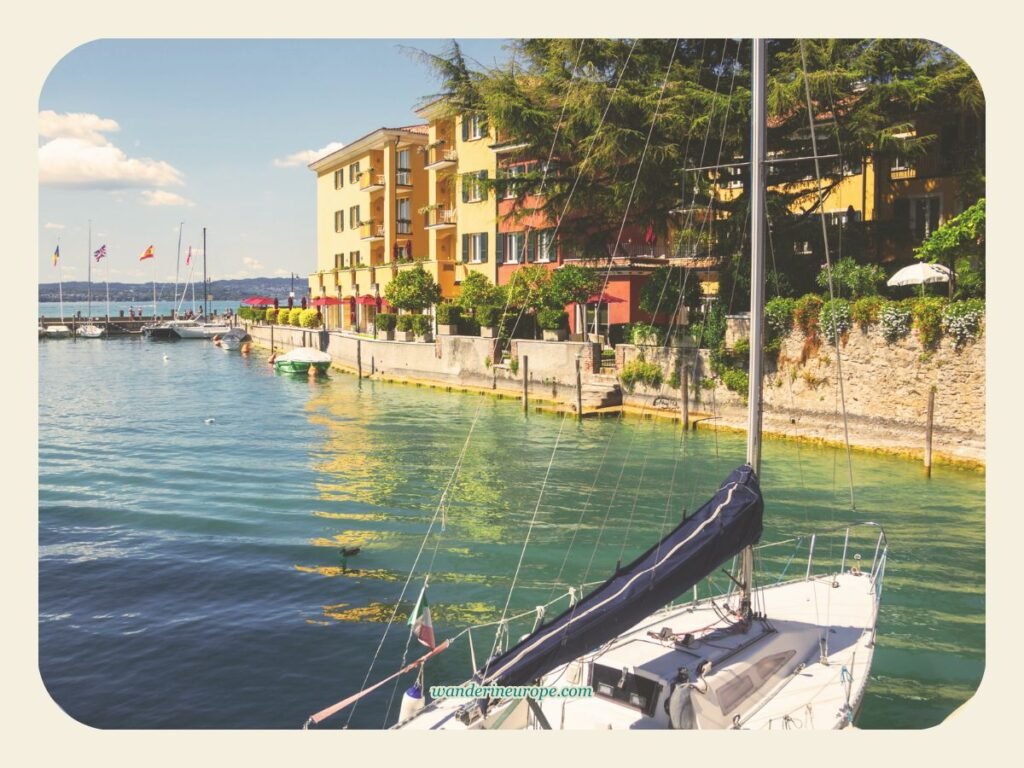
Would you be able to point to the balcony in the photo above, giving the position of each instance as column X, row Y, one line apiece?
column 371, row 181
column 403, row 226
column 403, row 177
column 440, row 218
column 371, row 230
column 439, row 156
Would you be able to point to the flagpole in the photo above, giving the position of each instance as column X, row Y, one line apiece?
column 60, row 283
column 106, row 277
column 177, row 263
column 154, row 290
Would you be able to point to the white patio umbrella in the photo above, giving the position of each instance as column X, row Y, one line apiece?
column 921, row 273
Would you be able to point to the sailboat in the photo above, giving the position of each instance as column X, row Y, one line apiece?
column 60, row 330
column 91, row 330
column 791, row 654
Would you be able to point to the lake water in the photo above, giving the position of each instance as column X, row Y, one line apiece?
column 190, row 576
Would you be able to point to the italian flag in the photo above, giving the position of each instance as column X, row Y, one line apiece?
column 420, row 621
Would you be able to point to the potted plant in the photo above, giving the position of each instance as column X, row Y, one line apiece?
column 487, row 316
column 554, row 323
column 404, row 327
column 422, row 327
column 448, row 316
column 386, row 326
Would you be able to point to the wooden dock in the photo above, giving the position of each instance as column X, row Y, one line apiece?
column 118, row 326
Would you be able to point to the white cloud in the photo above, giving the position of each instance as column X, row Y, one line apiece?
column 306, row 156
column 77, row 154
column 252, row 264
column 158, row 197
column 281, row 273
column 51, row 225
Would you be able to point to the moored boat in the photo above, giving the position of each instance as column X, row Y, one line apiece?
column 300, row 360
column 233, row 339
column 200, row 330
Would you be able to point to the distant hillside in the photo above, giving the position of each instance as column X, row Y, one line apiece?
column 221, row 290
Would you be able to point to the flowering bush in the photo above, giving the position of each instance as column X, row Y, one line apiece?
column 835, row 318
column 895, row 321
column 927, row 313
column 806, row 313
column 865, row 311
column 962, row 320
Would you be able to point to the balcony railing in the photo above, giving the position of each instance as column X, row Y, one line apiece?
column 440, row 217
column 371, row 180
column 403, row 226
column 371, row 230
column 441, row 156
column 403, row 177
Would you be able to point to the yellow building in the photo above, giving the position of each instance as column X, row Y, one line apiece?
column 369, row 195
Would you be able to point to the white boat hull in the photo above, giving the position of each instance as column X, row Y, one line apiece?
column 56, row 332
column 91, row 331
column 201, row 331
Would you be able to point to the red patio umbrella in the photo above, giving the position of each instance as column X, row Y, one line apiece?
column 604, row 298
column 258, row 301
column 367, row 300
column 327, row 301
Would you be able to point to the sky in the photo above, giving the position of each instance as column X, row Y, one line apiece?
column 141, row 138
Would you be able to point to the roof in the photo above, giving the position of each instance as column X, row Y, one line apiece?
column 415, row 133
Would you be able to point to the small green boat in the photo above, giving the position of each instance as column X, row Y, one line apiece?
column 300, row 360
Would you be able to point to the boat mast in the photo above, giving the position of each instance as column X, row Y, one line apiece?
column 60, row 283
column 758, row 138
column 177, row 265
column 88, row 264
column 204, row 272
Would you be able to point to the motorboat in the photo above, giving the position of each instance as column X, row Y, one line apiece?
column 300, row 360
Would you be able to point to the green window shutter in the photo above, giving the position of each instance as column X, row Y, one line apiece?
column 483, row 187
column 465, row 188
column 483, row 248
column 465, row 248
column 531, row 246
column 499, row 248
column 465, row 127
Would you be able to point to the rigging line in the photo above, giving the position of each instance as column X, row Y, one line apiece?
column 543, row 183
column 529, row 531
column 828, row 262
column 419, row 553
column 636, row 178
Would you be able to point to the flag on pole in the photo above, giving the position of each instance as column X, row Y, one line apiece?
column 100, row 252
column 56, row 255
column 147, row 255
column 420, row 621
column 188, row 256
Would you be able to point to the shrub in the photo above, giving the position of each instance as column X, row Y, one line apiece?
column 835, row 319
column 643, row 334
column 963, row 319
column 643, row 372
column 421, row 324
column 295, row 316
column 469, row 326
column 852, row 279
column 513, row 365
column 271, row 315
column 404, row 322
column 778, row 315
column 895, row 319
column 866, row 311
column 412, row 289
column 309, row 318
column 551, row 319
column 385, row 321
column 736, row 380
column 927, row 312
column 448, row 313
column 806, row 312
column 741, row 348
column 487, row 315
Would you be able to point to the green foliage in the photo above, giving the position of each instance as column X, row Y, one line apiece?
column 866, row 311
column 835, row 319
column 487, row 361
column 513, row 365
column 412, row 289
column 448, row 313
column 571, row 284
column 551, row 319
column 927, row 312
column 294, row 315
column 778, row 320
column 896, row 320
column 963, row 320
column 309, row 318
column 271, row 315
column 851, row 279
column 736, row 380
column 487, row 315
column 644, row 334
column 528, row 287
column 806, row 313
column 385, row 321
column 663, row 288
column 960, row 245
column 421, row 324
column 477, row 291
column 712, row 333
column 404, row 323
column 641, row 371
column 741, row 348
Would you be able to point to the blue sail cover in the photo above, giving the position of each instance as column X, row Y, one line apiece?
column 720, row 529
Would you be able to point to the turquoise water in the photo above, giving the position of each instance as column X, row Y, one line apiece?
column 190, row 577
column 99, row 307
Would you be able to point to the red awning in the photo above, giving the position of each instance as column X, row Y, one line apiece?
column 258, row 301
column 327, row 301
column 604, row 298
column 367, row 301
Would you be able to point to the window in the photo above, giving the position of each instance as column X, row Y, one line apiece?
column 339, row 179
column 353, row 258
column 511, row 187
column 473, row 190
column 339, row 260
column 924, row 215
column 900, row 163
column 353, row 173
column 474, row 126
column 545, row 246
column 404, row 220
column 353, row 217
column 339, row 221
column 474, row 247
column 403, row 174
column 511, row 244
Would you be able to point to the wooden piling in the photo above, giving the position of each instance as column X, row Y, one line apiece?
column 359, row 357
column 928, row 433
column 526, row 383
column 579, row 390
column 684, row 395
